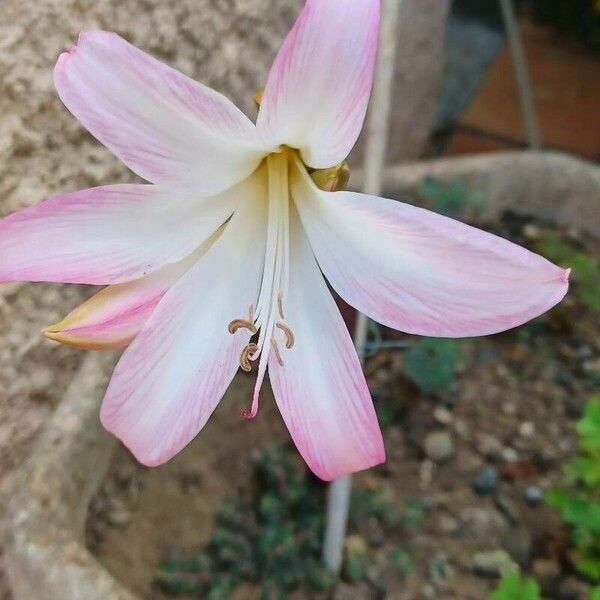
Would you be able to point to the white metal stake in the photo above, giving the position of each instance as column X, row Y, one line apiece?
column 338, row 498
column 534, row 139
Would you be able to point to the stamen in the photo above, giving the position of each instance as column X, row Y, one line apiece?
column 238, row 324
column 290, row 340
column 276, row 350
column 247, row 352
column 280, row 305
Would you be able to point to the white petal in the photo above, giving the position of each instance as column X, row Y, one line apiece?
column 420, row 272
column 111, row 234
column 114, row 316
column 321, row 390
column 172, row 376
column 163, row 125
column 319, row 86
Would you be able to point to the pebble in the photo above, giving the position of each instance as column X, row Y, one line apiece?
column 442, row 415
column 573, row 589
column 532, row 232
column 533, row 495
column 527, row 429
column 488, row 445
column 546, row 571
column 509, row 455
column 447, row 525
column 509, row 408
column 486, row 481
column 118, row 517
column 492, row 563
column 439, row 445
column 585, row 352
column 507, row 508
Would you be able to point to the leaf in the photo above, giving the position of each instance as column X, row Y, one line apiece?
column 576, row 509
column 596, row 594
column 431, row 364
column 515, row 587
column 586, row 469
column 589, row 426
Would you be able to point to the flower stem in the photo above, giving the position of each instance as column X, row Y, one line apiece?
column 338, row 498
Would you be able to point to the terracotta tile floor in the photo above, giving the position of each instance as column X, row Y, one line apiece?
column 566, row 82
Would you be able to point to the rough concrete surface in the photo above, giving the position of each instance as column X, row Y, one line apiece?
column 227, row 44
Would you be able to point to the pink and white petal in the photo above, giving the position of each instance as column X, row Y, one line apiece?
column 318, row 90
column 110, row 234
column 114, row 316
column 164, row 126
column 321, row 391
column 422, row 273
column 172, row 376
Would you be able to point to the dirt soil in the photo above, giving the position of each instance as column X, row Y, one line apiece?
column 511, row 413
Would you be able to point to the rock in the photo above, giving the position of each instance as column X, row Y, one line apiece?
column 507, row 508
column 527, row 429
column 573, row 589
column 546, row 571
column 509, row 408
column 447, row 525
column 492, row 563
column 509, row 455
column 533, row 495
column 442, row 415
column 585, row 352
column 532, row 232
column 488, row 445
column 486, row 481
column 439, row 446
column 118, row 517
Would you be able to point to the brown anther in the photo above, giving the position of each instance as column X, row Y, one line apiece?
column 290, row 340
column 247, row 352
column 276, row 350
column 242, row 324
column 280, row 305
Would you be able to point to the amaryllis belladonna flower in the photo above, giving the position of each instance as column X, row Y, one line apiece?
column 220, row 261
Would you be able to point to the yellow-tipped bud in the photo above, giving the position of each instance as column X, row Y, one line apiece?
column 258, row 97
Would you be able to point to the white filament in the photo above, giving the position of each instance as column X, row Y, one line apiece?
column 274, row 287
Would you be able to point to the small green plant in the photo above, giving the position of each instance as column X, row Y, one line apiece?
column 401, row 562
column 586, row 268
column 452, row 199
column 579, row 504
column 431, row 364
column 515, row 587
column 273, row 540
column 373, row 504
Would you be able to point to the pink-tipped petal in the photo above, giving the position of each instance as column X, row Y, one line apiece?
column 163, row 125
column 319, row 86
column 422, row 273
column 114, row 316
column 321, row 390
column 172, row 376
column 110, row 234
